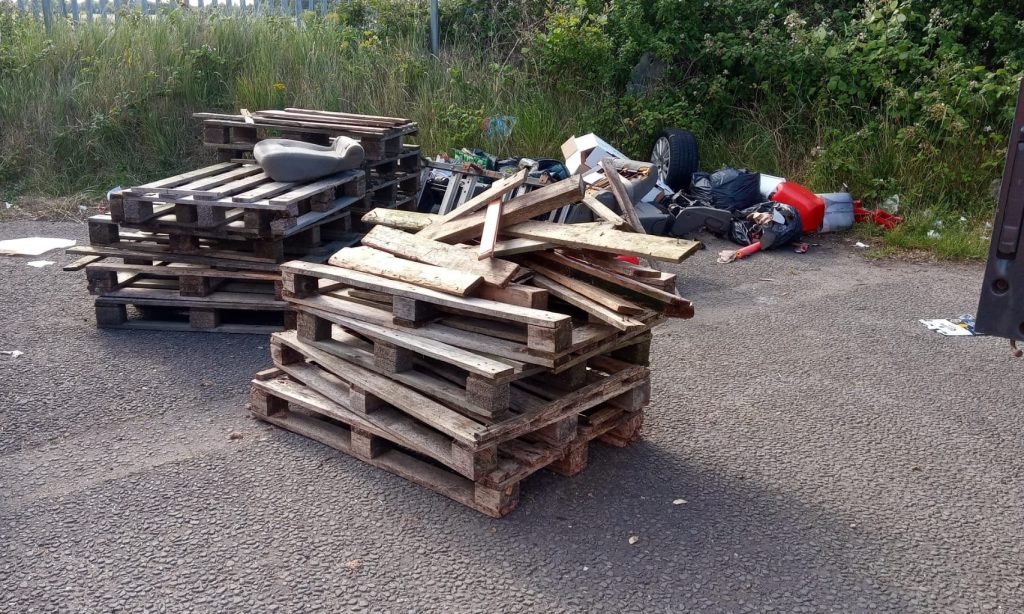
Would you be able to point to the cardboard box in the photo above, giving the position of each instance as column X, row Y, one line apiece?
column 585, row 153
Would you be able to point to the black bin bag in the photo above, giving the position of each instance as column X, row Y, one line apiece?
column 727, row 188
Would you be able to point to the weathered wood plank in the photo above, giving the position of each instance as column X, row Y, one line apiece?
column 469, row 361
column 608, row 299
column 366, row 281
column 603, row 212
column 401, row 220
column 599, row 311
column 601, row 237
column 183, row 178
column 489, row 235
column 383, row 264
column 411, row 402
column 675, row 306
column 412, row 247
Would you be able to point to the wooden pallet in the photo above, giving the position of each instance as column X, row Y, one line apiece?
column 483, row 379
column 390, row 441
column 189, row 280
column 381, row 137
column 249, row 254
column 479, row 415
column 535, row 336
column 164, row 308
column 239, row 197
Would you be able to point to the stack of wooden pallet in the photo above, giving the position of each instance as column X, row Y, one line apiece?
column 392, row 167
column 468, row 375
column 202, row 250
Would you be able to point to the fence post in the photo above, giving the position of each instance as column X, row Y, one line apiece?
column 48, row 14
column 435, row 29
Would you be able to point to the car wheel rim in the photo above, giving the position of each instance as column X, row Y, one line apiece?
column 662, row 156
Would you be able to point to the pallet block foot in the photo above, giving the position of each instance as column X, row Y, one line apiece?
column 312, row 327
column 111, row 315
column 488, row 395
column 203, row 318
column 391, row 358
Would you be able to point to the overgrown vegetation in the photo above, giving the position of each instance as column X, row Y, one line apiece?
column 896, row 97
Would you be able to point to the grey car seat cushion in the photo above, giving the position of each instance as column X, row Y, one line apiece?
column 288, row 160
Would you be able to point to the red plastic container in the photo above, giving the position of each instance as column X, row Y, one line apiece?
column 809, row 204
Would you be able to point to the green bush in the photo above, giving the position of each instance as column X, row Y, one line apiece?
column 908, row 97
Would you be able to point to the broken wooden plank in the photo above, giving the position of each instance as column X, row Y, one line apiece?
column 492, row 223
column 402, row 220
column 495, row 191
column 608, row 299
column 81, row 263
column 602, row 211
column 604, row 238
column 376, row 262
column 593, row 308
column 412, row 247
column 621, row 196
column 511, row 247
column 674, row 306
column 519, row 209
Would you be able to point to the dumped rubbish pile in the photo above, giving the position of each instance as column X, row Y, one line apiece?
column 467, row 351
column 462, row 324
column 202, row 250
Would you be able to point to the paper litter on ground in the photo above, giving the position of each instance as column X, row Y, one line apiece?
column 961, row 326
column 40, row 263
column 32, row 246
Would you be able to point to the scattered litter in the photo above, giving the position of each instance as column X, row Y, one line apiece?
column 12, row 353
column 633, row 539
column 83, row 208
column 861, row 245
column 8, row 205
column 40, row 263
column 728, row 255
column 801, row 248
column 937, row 223
column 679, row 502
column 766, row 279
column 32, row 246
column 892, row 204
column 963, row 219
column 934, row 234
column 234, row 435
column 354, row 564
column 499, row 126
column 960, row 326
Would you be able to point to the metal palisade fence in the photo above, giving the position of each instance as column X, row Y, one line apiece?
column 108, row 10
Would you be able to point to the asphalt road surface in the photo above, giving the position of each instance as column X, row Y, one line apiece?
column 834, row 456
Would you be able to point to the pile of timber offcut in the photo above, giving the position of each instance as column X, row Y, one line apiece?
column 467, row 375
column 392, row 166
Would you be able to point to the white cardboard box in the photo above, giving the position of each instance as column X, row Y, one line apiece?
column 584, row 153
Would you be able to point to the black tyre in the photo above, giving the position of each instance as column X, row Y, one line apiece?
column 678, row 157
